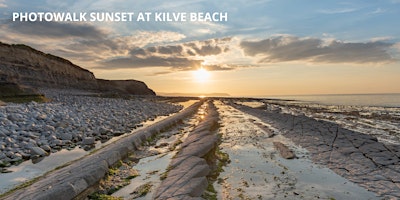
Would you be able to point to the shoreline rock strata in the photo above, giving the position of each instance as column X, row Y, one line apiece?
column 74, row 180
column 187, row 177
column 355, row 156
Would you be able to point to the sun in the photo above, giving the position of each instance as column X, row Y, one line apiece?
column 201, row 75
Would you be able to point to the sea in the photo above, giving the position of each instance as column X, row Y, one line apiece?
column 381, row 100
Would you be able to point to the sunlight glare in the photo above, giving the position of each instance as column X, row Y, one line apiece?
column 201, row 75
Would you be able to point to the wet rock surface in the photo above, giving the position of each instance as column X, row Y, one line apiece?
column 258, row 171
column 187, row 177
column 356, row 156
column 173, row 161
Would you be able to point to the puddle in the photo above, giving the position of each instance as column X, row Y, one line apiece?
column 257, row 171
column 30, row 169
column 152, row 168
column 188, row 103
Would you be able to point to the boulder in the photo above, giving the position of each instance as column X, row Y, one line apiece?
column 284, row 151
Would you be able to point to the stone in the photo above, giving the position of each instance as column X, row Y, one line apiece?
column 49, row 128
column 65, row 136
column 46, row 148
column 10, row 154
column 88, row 141
column 38, row 151
column 284, row 151
column 41, row 117
column 103, row 131
column 15, row 117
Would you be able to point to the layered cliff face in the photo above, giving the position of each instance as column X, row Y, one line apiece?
column 23, row 65
column 125, row 87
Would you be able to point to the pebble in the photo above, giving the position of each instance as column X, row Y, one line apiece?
column 37, row 151
column 70, row 120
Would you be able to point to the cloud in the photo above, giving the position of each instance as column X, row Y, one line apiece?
column 338, row 11
column 177, row 63
column 289, row 48
column 378, row 11
column 90, row 46
column 170, row 49
column 3, row 4
column 224, row 67
column 83, row 43
column 208, row 47
column 179, row 57
column 56, row 30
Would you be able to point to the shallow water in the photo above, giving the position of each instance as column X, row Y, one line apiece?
column 31, row 169
column 151, row 168
column 378, row 100
column 28, row 170
column 257, row 171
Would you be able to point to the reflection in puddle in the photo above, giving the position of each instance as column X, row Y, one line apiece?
column 28, row 170
column 151, row 169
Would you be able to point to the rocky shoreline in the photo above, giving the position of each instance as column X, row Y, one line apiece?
column 355, row 156
column 258, row 141
column 78, row 179
column 71, row 119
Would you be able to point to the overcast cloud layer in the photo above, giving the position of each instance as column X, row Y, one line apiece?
column 289, row 48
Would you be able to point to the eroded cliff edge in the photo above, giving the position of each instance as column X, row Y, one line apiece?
column 24, row 67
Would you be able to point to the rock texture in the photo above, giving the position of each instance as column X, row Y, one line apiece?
column 69, row 121
column 187, row 178
column 24, row 65
column 284, row 151
column 358, row 157
column 73, row 181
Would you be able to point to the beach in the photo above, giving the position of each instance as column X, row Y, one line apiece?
column 232, row 141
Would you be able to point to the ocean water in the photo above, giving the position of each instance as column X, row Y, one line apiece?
column 381, row 100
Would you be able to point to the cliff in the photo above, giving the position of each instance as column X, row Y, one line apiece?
column 28, row 67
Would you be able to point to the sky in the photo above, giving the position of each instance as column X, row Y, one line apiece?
column 265, row 48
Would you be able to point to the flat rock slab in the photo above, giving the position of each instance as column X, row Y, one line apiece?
column 187, row 178
column 358, row 157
